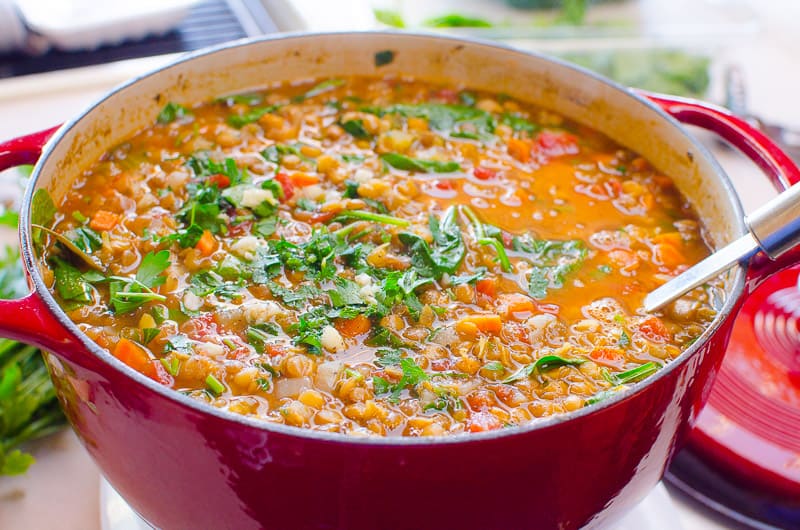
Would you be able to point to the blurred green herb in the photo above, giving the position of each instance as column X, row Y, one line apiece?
column 28, row 405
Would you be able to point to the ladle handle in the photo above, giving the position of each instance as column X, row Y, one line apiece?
column 776, row 225
column 777, row 165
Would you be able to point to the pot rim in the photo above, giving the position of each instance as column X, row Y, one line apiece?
column 106, row 358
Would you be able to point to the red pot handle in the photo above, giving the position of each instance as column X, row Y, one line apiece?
column 29, row 319
column 754, row 144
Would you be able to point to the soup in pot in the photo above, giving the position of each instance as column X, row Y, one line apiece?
column 377, row 257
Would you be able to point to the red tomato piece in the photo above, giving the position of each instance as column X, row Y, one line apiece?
column 654, row 329
column 286, row 183
column 447, row 95
column 444, row 184
column 222, row 181
column 555, row 144
column 484, row 173
column 480, row 400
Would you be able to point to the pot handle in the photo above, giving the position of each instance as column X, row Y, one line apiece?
column 28, row 319
column 754, row 144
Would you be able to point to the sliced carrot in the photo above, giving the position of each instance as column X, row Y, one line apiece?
column 103, row 220
column 132, row 354
column 487, row 286
column 207, row 243
column 417, row 124
column 519, row 149
column 667, row 255
column 484, row 323
column 483, row 421
column 653, row 329
column 608, row 356
column 350, row 327
column 302, row 180
column 671, row 238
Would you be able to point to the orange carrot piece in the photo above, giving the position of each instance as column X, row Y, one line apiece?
column 350, row 327
column 667, row 255
column 487, row 286
column 207, row 243
column 484, row 323
column 608, row 356
column 132, row 354
column 103, row 220
column 519, row 149
column 302, row 180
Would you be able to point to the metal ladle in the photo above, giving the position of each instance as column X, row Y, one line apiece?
column 774, row 228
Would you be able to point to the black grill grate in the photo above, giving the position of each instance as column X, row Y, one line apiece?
column 209, row 22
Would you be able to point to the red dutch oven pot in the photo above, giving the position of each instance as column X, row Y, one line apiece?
column 183, row 464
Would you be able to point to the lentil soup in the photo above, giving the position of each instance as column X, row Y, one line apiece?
column 376, row 257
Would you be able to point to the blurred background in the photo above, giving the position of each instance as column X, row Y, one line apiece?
column 58, row 56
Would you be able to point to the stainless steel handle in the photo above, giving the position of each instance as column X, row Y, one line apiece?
column 776, row 225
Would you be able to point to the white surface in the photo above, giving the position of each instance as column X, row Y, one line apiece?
column 655, row 512
column 86, row 24
column 12, row 32
column 61, row 489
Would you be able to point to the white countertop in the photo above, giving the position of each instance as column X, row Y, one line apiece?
column 61, row 489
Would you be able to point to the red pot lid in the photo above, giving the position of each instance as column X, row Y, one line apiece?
column 751, row 425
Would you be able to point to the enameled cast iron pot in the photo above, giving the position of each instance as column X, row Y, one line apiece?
column 182, row 464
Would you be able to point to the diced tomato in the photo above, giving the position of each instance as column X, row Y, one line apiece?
column 483, row 421
column 480, row 400
column 444, row 184
column 441, row 365
column 447, row 95
column 274, row 350
column 608, row 356
column 158, row 373
column 487, row 286
column 286, row 183
column 222, row 181
column 201, row 327
column 653, row 329
column 484, row 173
column 240, row 229
column 554, row 144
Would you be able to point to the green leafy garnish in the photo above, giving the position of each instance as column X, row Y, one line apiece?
column 253, row 115
column 171, row 112
column 346, row 292
column 369, row 216
column 207, row 282
column 636, row 374
column 624, row 340
column 552, row 261
column 518, row 123
column 417, row 164
column 447, row 251
column 457, row 20
column 488, row 235
column 543, row 363
column 390, row 17
column 412, row 376
column 129, row 293
column 443, row 117
column 294, row 297
column 356, row 129
column 321, row 88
